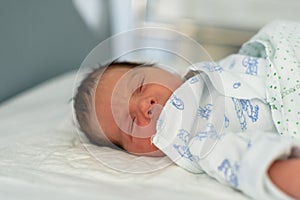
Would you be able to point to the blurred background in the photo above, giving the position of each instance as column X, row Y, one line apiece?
column 41, row 39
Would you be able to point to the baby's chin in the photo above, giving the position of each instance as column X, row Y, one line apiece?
column 151, row 153
column 157, row 153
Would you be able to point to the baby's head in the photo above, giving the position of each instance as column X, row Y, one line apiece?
column 120, row 104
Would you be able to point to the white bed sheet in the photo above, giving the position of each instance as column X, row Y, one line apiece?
column 41, row 157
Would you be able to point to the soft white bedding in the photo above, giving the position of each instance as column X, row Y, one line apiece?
column 42, row 157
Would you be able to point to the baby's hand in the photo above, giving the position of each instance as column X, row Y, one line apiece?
column 285, row 174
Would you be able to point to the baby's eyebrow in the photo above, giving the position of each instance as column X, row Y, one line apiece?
column 131, row 79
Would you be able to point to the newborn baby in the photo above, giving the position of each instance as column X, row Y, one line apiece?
column 224, row 118
column 128, row 99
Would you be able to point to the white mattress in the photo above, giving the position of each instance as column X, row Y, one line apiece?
column 42, row 157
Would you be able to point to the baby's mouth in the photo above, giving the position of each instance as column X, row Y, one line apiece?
column 150, row 129
column 155, row 112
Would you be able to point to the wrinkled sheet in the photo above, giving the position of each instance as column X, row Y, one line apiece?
column 41, row 157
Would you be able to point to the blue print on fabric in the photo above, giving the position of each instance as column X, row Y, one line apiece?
column 249, row 144
column 236, row 85
column 205, row 111
column 251, row 65
column 239, row 114
column 177, row 102
column 226, row 121
column 193, row 80
column 232, row 64
column 251, row 111
column 244, row 106
column 212, row 67
column 210, row 132
column 229, row 172
column 183, row 135
column 183, row 150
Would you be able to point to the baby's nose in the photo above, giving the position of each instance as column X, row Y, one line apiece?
column 146, row 106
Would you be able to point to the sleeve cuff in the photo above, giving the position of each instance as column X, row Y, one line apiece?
column 254, row 165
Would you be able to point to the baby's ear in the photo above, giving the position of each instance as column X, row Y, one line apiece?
column 190, row 74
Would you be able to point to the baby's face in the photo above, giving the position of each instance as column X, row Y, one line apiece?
column 128, row 102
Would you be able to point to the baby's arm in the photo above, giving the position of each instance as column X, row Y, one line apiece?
column 243, row 161
column 285, row 174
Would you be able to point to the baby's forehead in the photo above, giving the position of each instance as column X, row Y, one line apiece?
column 116, row 70
column 110, row 76
column 113, row 69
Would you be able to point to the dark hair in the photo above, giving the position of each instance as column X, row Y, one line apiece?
column 84, row 102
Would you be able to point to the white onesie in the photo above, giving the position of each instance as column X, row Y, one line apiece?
column 219, row 122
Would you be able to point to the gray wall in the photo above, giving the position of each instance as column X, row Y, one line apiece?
column 40, row 39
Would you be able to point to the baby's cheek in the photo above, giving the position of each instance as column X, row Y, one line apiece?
column 144, row 131
column 144, row 147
